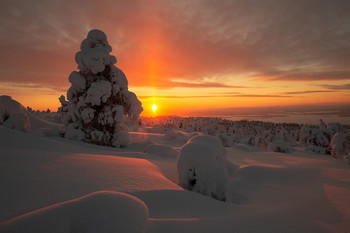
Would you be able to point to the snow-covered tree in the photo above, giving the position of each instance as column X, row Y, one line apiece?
column 99, row 97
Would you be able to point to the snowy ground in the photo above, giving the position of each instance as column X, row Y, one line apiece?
column 269, row 192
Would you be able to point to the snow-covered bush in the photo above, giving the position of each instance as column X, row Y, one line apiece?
column 97, row 212
column 13, row 115
column 316, row 149
column 334, row 128
column 98, row 97
column 338, row 147
column 202, row 167
column 225, row 139
column 315, row 136
column 305, row 136
column 260, row 142
column 280, row 146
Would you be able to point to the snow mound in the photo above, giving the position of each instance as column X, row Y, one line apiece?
column 338, row 147
column 175, row 136
column 161, row 150
column 280, row 146
column 13, row 115
column 202, row 167
column 102, row 211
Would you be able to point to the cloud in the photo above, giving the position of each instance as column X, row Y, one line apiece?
column 200, row 84
column 303, row 76
column 263, row 96
column 160, row 41
column 215, row 96
column 205, row 85
column 305, row 92
column 11, row 87
column 173, row 97
column 337, row 87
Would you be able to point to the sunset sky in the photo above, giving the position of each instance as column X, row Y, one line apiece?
column 187, row 56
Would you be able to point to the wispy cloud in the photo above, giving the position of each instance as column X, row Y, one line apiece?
column 303, row 76
column 205, row 85
column 6, row 87
column 172, row 97
column 337, row 87
column 263, row 96
column 306, row 92
column 214, row 96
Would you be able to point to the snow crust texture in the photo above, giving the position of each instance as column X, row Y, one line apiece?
column 202, row 167
column 102, row 211
column 98, row 97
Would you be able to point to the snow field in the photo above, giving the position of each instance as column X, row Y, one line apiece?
column 102, row 211
column 42, row 177
column 269, row 192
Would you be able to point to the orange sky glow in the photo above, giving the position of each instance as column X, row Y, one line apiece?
column 188, row 58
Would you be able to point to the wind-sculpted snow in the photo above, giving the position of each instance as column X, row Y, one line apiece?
column 202, row 167
column 103, row 211
column 14, row 116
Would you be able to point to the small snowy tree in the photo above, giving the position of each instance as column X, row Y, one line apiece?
column 98, row 97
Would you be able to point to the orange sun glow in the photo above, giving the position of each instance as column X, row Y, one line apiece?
column 154, row 107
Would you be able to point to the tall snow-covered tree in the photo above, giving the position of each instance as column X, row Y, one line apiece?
column 99, row 98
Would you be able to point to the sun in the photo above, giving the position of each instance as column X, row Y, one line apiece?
column 154, row 107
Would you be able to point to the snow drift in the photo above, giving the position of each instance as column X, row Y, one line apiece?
column 103, row 211
column 202, row 167
column 14, row 116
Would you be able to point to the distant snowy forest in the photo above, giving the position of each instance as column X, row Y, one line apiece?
column 331, row 139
